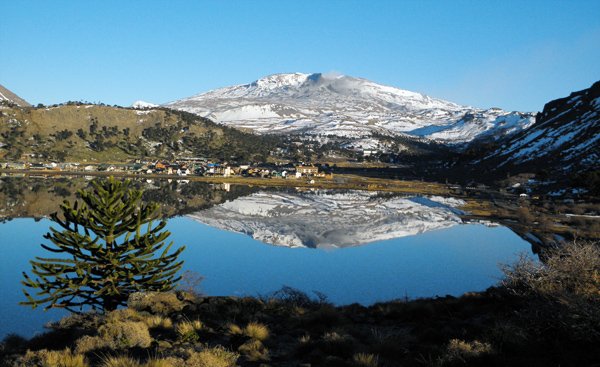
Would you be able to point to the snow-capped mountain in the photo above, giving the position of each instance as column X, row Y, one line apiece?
column 143, row 104
column 566, row 135
column 325, row 219
column 344, row 106
column 8, row 96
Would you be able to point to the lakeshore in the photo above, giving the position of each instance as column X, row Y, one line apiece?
column 541, row 221
column 338, row 181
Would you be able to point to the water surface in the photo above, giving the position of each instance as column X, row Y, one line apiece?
column 353, row 246
column 446, row 261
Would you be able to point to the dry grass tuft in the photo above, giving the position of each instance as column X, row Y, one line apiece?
column 257, row 331
column 233, row 329
column 460, row 350
column 304, row 339
column 126, row 314
column 125, row 361
column 89, row 343
column 365, row 360
column 254, row 351
column 188, row 330
column 158, row 322
column 119, row 361
column 53, row 358
column 163, row 362
column 213, row 357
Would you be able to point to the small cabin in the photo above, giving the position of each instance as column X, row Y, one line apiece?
column 307, row 170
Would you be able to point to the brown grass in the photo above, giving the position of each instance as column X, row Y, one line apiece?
column 563, row 293
column 257, row 331
column 212, row 357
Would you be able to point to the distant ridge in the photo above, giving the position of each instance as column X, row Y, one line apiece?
column 6, row 95
column 348, row 107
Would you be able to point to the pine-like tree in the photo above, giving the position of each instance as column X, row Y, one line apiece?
column 106, row 254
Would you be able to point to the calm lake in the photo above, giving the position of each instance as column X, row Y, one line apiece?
column 352, row 246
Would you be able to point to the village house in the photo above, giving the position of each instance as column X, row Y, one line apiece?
column 37, row 166
column 68, row 166
column 183, row 171
column 307, row 170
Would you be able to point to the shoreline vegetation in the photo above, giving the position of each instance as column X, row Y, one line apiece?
column 539, row 315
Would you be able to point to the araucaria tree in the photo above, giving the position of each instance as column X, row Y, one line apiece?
column 109, row 248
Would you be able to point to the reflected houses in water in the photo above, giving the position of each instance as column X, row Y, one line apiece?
column 286, row 217
column 38, row 197
column 279, row 216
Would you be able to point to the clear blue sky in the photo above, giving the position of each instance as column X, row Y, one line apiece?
column 512, row 54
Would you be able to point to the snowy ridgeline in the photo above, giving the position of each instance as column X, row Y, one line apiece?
column 325, row 219
column 567, row 132
column 344, row 106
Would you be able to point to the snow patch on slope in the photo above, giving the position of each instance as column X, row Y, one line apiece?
column 143, row 104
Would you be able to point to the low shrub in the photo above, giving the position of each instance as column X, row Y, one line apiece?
column 116, row 335
column 126, row 334
column 162, row 303
column 562, row 293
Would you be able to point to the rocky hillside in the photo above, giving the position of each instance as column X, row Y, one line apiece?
column 564, row 139
column 78, row 132
column 9, row 97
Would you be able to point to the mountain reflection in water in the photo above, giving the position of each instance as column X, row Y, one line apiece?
column 325, row 219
